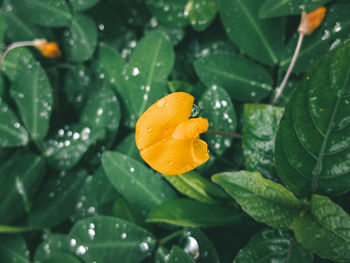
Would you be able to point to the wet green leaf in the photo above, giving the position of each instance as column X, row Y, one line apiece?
column 312, row 143
column 325, row 231
column 187, row 212
column 82, row 5
column 48, row 13
column 57, row 199
column 262, row 199
column 53, row 244
column 32, row 93
column 177, row 254
column 20, row 177
column 273, row 245
column 260, row 124
column 80, row 39
column 11, row 131
column 272, row 8
column 241, row 78
column 216, row 106
column 140, row 186
column 262, row 39
column 201, row 13
column 62, row 257
column 13, row 248
column 105, row 239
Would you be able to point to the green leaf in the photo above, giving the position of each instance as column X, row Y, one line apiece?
column 48, row 13
column 32, row 93
column 312, row 142
column 201, row 13
column 161, row 255
column 197, row 187
column 80, row 39
column 262, row 199
column 261, row 39
column 2, row 86
column 273, row 245
column 325, row 231
column 56, row 200
column 11, row 131
column 53, row 244
column 109, row 65
column 13, row 248
column 334, row 29
column 146, row 76
column 20, row 177
column 177, row 254
column 102, row 110
column 187, row 212
column 17, row 61
column 241, row 78
column 81, row 5
column 2, row 29
column 105, row 239
column 260, row 124
column 272, row 8
column 140, row 186
column 67, row 147
column 128, row 147
column 169, row 12
column 61, row 257
column 217, row 107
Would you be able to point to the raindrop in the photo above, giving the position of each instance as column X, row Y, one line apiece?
column 217, row 104
column 91, row 233
column 214, row 87
column 161, row 103
column 326, row 35
column 195, row 111
column 17, row 125
column 73, row 242
column 335, row 44
column 123, row 236
column 337, row 27
column 217, row 145
column 99, row 111
column 135, row 71
column 101, row 27
column 91, row 210
column 145, row 96
column 132, row 169
column 149, row 129
column 132, row 44
column 192, row 247
column 144, row 247
column 81, row 250
column 224, row 103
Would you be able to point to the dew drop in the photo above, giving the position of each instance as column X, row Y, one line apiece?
column 144, row 247
column 195, row 111
column 123, row 236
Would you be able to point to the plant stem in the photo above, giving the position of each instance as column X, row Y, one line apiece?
column 166, row 239
column 40, row 147
column 223, row 133
column 290, row 68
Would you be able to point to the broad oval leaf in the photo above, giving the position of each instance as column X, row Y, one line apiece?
column 216, row 106
column 20, row 177
column 140, row 186
column 272, row 8
column 146, row 76
column 261, row 39
column 197, row 187
column 262, row 199
column 187, row 212
column 312, row 142
column 260, row 124
column 56, row 201
column 82, row 5
column 170, row 13
column 325, row 231
column 13, row 248
column 17, row 61
column 105, row 239
column 201, row 13
column 273, row 245
column 242, row 79
column 32, row 93
column 11, row 131
column 53, row 244
column 48, row 13
column 80, row 39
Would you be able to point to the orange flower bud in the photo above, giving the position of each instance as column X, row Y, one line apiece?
column 49, row 49
column 310, row 21
column 168, row 139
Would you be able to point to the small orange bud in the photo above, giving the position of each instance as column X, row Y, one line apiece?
column 310, row 21
column 168, row 139
column 49, row 49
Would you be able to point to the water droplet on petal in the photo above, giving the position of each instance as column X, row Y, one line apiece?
column 195, row 111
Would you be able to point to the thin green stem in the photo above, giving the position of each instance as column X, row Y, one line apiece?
column 40, row 147
column 170, row 237
column 223, row 133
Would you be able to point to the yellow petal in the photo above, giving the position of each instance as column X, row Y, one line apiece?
column 310, row 21
column 160, row 120
column 171, row 156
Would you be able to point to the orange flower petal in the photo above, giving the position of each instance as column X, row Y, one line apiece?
column 167, row 139
column 160, row 120
column 310, row 21
column 49, row 49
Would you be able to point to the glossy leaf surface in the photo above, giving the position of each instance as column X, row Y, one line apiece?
column 262, row 199
column 241, row 78
column 312, row 141
column 13, row 248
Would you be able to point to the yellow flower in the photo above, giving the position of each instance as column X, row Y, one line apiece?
column 49, row 49
column 168, row 139
column 310, row 21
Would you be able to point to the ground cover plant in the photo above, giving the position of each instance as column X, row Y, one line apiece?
column 75, row 77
